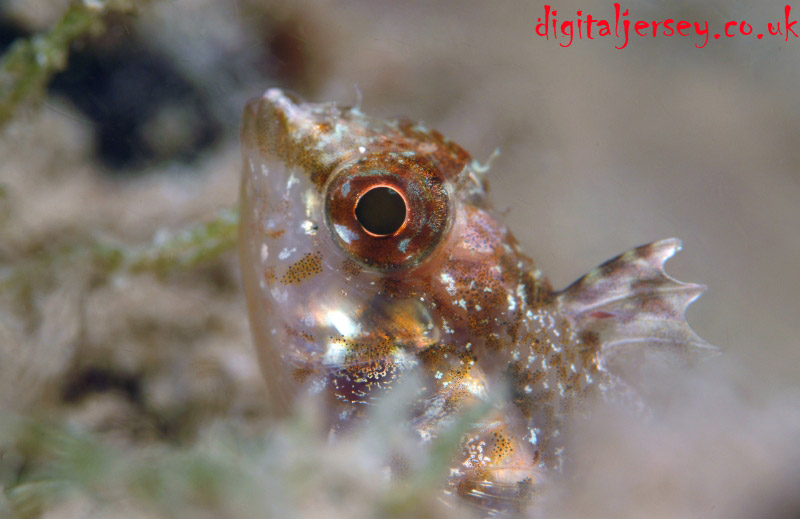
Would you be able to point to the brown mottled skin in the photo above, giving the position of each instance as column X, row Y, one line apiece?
column 342, row 313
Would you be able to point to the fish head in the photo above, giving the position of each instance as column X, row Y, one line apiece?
column 364, row 243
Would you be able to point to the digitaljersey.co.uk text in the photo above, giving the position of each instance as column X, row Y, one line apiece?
column 565, row 31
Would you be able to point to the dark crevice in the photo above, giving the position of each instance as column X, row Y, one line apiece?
column 94, row 380
column 144, row 112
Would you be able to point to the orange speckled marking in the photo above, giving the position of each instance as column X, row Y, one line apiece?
column 351, row 268
column 302, row 374
column 307, row 267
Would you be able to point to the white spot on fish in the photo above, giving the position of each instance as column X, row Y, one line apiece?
column 446, row 327
column 362, row 149
column 309, row 227
column 285, row 253
column 308, row 320
column 317, row 385
column 292, row 181
column 344, row 233
column 449, row 282
column 279, row 295
column 264, row 170
column 311, row 202
column 264, row 253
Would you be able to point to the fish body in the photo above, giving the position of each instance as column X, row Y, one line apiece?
column 369, row 249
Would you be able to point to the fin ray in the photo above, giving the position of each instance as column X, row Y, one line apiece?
column 630, row 301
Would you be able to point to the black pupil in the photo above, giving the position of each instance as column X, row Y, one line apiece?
column 381, row 211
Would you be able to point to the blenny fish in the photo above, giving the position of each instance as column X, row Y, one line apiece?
column 369, row 249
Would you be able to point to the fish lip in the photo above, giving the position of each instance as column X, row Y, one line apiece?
column 278, row 95
column 287, row 105
column 274, row 104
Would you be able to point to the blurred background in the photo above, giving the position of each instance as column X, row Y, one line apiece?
column 600, row 150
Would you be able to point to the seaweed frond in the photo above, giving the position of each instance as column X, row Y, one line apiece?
column 170, row 251
column 292, row 470
column 29, row 63
column 180, row 250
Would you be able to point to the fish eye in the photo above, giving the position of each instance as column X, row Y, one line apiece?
column 387, row 211
column 381, row 211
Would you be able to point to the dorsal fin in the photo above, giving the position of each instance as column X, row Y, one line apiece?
column 631, row 302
